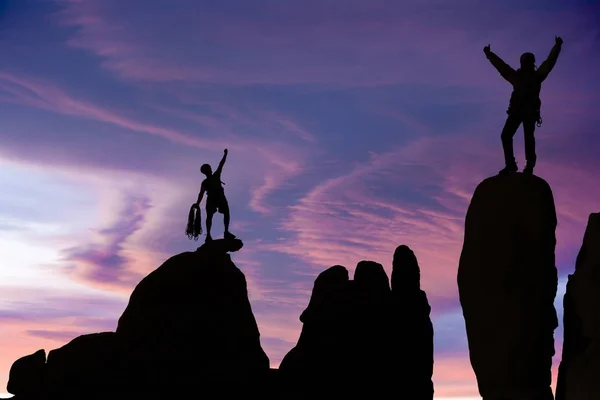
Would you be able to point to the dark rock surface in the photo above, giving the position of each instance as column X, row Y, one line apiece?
column 188, row 326
column 324, row 342
column 362, row 337
column 507, row 282
column 580, row 365
column 27, row 374
column 192, row 311
column 86, row 361
column 413, row 340
column 221, row 246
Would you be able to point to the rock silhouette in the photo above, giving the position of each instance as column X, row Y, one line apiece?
column 507, row 282
column 323, row 348
column 372, row 327
column 188, row 326
column 580, row 365
column 193, row 309
column 88, row 361
column 414, row 330
column 27, row 375
column 361, row 328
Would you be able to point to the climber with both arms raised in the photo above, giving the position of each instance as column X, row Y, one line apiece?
column 525, row 102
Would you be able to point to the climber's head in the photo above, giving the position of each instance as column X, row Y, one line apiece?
column 206, row 169
column 527, row 61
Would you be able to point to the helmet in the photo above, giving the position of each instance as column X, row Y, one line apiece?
column 206, row 169
column 527, row 59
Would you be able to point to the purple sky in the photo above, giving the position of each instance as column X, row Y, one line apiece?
column 353, row 127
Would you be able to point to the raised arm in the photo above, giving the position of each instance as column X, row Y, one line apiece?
column 505, row 70
column 220, row 167
column 550, row 62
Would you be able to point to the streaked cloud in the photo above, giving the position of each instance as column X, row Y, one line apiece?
column 352, row 129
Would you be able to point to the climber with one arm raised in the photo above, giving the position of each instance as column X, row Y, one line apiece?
column 525, row 103
column 215, row 197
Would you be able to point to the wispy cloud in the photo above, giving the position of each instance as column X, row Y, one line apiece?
column 44, row 95
column 290, row 45
column 49, row 318
column 105, row 262
column 273, row 161
column 352, row 129
column 357, row 215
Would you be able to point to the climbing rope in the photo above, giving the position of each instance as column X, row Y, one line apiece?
column 194, row 225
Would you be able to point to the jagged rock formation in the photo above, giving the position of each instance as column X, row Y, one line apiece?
column 363, row 329
column 580, row 365
column 192, row 310
column 507, row 282
column 323, row 348
column 413, row 337
column 188, row 326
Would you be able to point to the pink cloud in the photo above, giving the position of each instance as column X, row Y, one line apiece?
column 576, row 196
column 273, row 161
column 281, row 170
column 352, row 217
column 342, row 219
column 106, row 262
column 341, row 222
column 47, row 319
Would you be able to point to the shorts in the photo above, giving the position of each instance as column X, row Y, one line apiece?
column 219, row 204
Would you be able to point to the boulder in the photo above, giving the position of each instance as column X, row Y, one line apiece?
column 507, row 281
column 27, row 375
column 190, row 317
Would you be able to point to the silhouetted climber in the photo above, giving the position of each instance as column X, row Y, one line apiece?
column 215, row 197
column 525, row 102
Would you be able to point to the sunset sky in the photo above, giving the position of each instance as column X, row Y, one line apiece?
column 352, row 127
